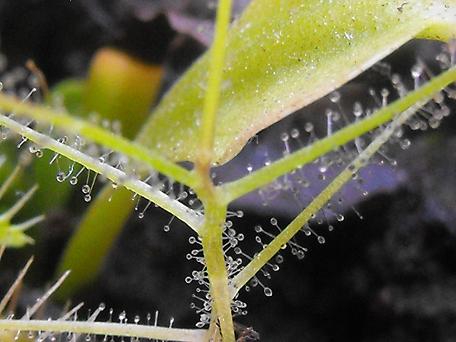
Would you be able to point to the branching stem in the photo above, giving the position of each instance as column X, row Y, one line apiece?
column 295, row 226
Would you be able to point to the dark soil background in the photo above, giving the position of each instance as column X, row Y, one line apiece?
column 388, row 277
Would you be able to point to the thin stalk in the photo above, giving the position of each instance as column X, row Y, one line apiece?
column 176, row 208
column 11, row 178
column 295, row 226
column 102, row 328
column 215, row 76
column 267, row 174
column 97, row 134
column 211, row 235
column 212, row 230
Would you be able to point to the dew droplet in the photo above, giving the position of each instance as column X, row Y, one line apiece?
column 294, row 133
column 405, row 144
column 334, row 97
column 284, row 137
column 267, row 292
column 357, row 109
column 340, row 217
column 60, row 177
column 308, row 127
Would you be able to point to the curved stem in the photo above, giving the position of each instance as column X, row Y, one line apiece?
column 97, row 134
column 176, row 208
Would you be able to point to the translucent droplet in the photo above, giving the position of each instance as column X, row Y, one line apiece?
column 284, row 137
column 85, row 189
column 417, row 71
column 357, row 109
column 321, row 239
column 294, row 133
column 308, row 127
column 267, row 292
column 279, row 259
column 87, row 198
column 334, row 97
column 60, row 177
column 405, row 144
column 73, row 180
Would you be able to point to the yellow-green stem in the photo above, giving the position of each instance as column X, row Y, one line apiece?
column 212, row 230
column 211, row 235
column 214, row 81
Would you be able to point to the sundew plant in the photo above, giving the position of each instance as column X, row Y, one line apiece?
column 278, row 57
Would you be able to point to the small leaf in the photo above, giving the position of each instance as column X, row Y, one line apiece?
column 281, row 56
column 12, row 235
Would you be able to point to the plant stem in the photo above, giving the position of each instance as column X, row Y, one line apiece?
column 97, row 134
column 211, row 235
column 176, row 208
column 212, row 231
column 295, row 226
column 215, row 76
column 267, row 174
column 102, row 328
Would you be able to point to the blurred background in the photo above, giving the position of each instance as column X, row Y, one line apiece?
column 390, row 276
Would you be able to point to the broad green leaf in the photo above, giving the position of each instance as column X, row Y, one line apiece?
column 282, row 55
column 121, row 88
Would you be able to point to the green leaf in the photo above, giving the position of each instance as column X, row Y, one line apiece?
column 68, row 94
column 281, row 56
column 121, row 88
